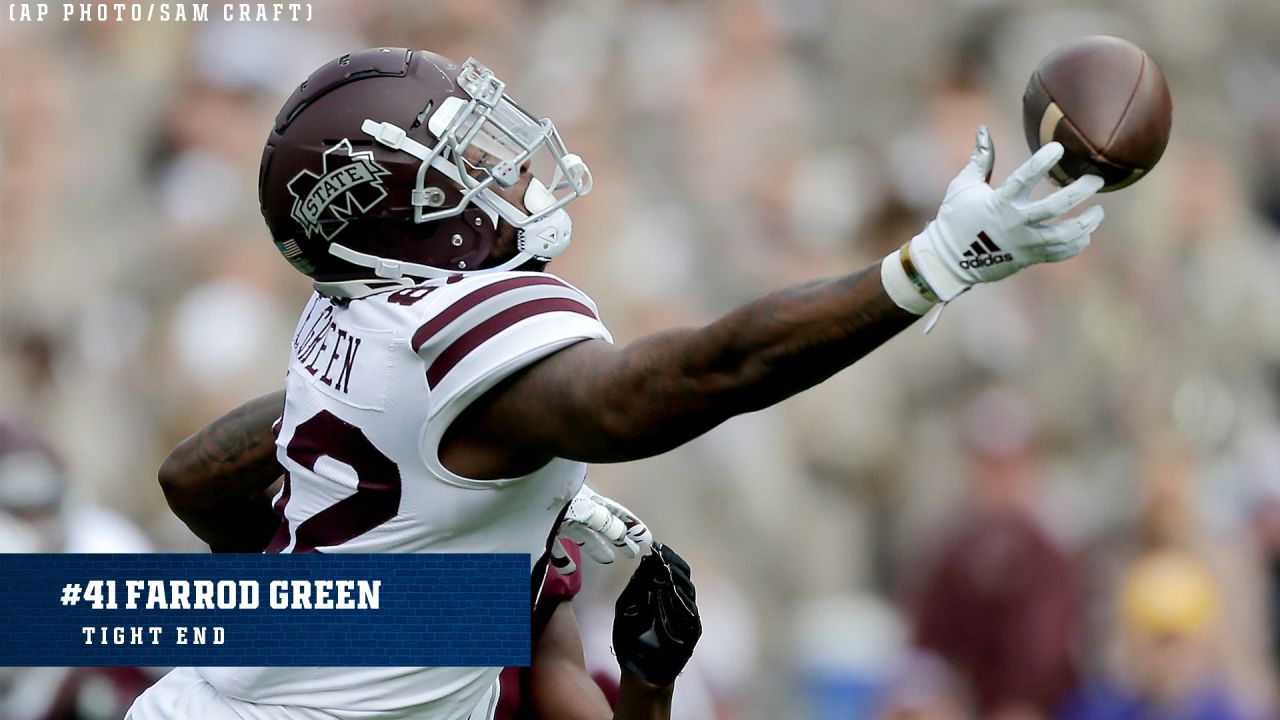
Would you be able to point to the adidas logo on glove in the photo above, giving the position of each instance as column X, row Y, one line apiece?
column 982, row 253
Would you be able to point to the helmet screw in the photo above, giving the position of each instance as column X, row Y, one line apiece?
column 435, row 197
column 479, row 222
column 456, row 240
column 462, row 264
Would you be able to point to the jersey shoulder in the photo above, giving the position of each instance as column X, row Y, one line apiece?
column 492, row 324
column 463, row 303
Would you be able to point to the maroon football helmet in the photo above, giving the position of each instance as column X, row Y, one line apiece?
column 388, row 165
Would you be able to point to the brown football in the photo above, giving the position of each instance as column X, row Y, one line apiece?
column 1107, row 102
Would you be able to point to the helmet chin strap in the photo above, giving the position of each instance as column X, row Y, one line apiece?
column 355, row 289
column 541, row 240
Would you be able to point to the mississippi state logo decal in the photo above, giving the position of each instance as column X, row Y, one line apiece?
column 349, row 182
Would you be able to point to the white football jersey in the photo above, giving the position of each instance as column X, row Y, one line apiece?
column 372, row 386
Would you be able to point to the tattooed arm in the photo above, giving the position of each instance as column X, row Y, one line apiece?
column 595, row 403
column 217, row 481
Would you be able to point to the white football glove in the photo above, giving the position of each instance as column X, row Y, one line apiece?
column 983, row 234
column 601, row 527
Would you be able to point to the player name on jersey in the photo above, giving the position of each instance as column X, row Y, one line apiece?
column 327, row 351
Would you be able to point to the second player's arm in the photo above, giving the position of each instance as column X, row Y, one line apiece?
column 560, row 686
column 596, row 403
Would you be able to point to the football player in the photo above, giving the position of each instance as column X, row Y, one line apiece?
column 445, row 394
column 215, row 479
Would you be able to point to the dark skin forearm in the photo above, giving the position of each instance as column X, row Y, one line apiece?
column 638, row 700
column 217, row 481
column 595, row 403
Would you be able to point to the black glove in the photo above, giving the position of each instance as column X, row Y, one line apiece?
column 657, row 623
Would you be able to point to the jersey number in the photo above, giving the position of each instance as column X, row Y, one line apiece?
column 377, row 496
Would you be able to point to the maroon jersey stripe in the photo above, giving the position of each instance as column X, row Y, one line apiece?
column 477, row 335
column 451, row 313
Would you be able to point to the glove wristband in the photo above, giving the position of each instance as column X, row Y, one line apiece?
column 904, row 284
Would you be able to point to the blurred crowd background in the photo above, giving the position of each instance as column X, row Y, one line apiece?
column 1062, row 503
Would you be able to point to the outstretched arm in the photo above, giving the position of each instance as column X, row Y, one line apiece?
column 594, row 403
column 217, row 481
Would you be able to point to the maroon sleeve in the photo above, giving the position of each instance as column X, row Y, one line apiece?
column 512, row 681
column 558, row 588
